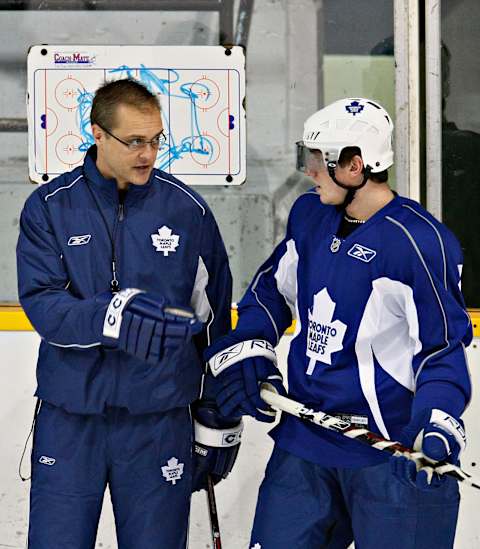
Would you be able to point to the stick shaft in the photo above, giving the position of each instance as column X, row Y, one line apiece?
column 363, row 435
column 212, row 512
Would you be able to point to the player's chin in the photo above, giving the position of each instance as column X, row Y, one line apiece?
column 329, row 200
column 141, row 174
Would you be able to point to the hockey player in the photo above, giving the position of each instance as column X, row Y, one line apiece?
column 123, row 273
column 373, row 282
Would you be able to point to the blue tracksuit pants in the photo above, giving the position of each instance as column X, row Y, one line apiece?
column 145, row 460
column 302, row 505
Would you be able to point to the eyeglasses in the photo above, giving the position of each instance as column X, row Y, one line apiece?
column 138, row 144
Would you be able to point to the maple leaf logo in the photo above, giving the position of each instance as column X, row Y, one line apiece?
column 165, row 241
column 324, row 336
column 354, row 108
column 173, row 470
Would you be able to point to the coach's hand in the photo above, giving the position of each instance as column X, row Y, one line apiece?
column 143, row 326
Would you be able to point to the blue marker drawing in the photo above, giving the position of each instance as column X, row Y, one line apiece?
column 196, row 143
column 123, row 72
column 85, row 100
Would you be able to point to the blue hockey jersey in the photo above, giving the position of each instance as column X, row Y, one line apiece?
column 166, row 241
column 380, row 323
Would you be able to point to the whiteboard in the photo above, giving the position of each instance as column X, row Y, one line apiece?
column 201, row 91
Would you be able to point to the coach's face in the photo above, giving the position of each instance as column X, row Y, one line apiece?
column 122, row 151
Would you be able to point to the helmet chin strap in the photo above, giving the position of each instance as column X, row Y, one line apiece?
column 351, row 190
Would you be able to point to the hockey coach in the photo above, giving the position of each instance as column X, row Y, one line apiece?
column 123, row 273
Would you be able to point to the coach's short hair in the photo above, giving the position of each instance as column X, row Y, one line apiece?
column 120, row 92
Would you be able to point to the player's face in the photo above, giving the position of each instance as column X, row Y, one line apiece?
column 328, row 191
column 115, row 159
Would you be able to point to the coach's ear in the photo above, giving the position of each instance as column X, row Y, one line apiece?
column 99, row 135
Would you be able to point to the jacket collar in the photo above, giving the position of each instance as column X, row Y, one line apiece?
column 108, row 187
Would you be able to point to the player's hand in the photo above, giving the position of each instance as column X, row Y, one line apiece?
column 440, row 437
column 239, row 388
column 217, row 441
column 240, row 369
column 144, row 326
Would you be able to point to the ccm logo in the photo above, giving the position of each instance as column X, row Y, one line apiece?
column 231, row 439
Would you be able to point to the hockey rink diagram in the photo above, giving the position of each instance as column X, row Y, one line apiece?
column 202, row 112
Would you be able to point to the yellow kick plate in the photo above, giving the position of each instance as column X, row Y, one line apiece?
column 13, row 319
column 475, row 316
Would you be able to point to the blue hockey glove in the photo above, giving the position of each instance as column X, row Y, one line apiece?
column 217, row 441
column 240, row 369
column 144, row 326
column 436, row 434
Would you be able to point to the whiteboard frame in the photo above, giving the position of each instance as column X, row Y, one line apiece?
column 145, row 60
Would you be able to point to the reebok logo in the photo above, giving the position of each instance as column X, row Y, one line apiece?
column 226, row 355
column 79, row 240
column 45, row 460
column 362, row 253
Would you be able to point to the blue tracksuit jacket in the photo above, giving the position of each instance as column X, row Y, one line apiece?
column 166, row 241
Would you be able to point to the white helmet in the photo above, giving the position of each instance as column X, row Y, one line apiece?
column 352, row 123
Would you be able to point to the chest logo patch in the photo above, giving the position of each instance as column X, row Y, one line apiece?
column 173, row 470
column 79, row 240
column 362, row 253
column 325, row 335
column 165, row 241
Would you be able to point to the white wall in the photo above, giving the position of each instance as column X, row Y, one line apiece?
column 235, row 497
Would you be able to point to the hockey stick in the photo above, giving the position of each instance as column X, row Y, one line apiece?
column 284, row 404
column 212, row 512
